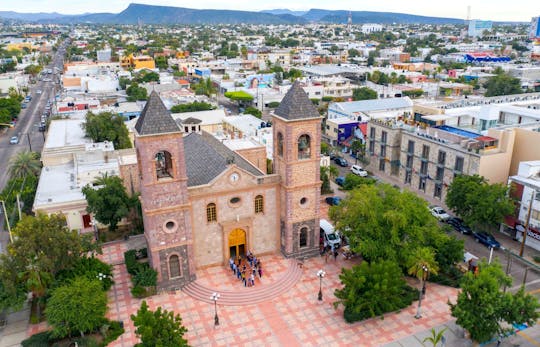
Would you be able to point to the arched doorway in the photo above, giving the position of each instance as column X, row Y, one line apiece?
column 237, row 243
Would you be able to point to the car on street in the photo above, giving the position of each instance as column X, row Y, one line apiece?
column 459, row 225
column 439, row 213
column 357, row 170
column 486, row 239
column 14, row 140
column 341, row 162
column 333, row 200
column 38, row 91
column 340, row 180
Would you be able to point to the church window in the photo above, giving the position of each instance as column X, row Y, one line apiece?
column 163, row 165
column 235, row 200
column 174, row 266
column 259, row 204
column 280, row 144
column 303, row 237
column 211, row 212
column 304, row 147
column 303, row 201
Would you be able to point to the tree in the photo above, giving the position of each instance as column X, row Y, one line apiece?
column 253, row 111
column 135, row 92
column 383, row 223
column 502, row 84
column 372, row 289
column 240, row 96
column 42, row 246
column 24, row 163
column 205, row 87
column 77, row 307
column 192, row 107
column 158, row 328
column 364, row 93
column 33, row 70
column 484, row 310
column 107, row 126
column 478, row 202
column 108, row 200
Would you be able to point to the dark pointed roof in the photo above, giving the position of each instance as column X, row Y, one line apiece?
column 155, row 118
column 296, row 105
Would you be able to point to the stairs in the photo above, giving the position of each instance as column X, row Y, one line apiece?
column 253, row 295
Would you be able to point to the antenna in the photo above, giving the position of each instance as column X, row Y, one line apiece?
column 349, row 22
column 468, row 14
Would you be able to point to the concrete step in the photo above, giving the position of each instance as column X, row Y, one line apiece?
column 255, row 295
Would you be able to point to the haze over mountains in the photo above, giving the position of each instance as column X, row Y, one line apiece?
column 150, row 14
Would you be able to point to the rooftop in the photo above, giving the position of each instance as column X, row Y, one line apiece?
column 296, row 105
column 155, row 118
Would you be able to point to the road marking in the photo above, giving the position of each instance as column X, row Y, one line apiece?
column 528, row 338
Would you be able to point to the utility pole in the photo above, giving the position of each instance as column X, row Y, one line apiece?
column 6, row 217
column 29, row 142
column 527, row 224
column 19, row 206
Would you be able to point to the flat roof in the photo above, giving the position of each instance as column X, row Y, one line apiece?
column 66, row 132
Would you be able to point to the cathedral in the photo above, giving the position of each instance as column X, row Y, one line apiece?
column 203, row 203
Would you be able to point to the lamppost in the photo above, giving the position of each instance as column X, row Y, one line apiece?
column 320, row 274
column 215, row 298
column 423, row 292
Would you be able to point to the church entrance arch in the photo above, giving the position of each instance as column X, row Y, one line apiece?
column 237, row 243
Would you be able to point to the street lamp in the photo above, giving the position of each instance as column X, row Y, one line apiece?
column 215, row 298
column 423, row 292
column 320, row 274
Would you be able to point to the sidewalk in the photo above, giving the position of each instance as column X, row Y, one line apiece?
column 16, row 327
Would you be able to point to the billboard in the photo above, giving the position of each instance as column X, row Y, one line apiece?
column 535, row 28
column 259, row 81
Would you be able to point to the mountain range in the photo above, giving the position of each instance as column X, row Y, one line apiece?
column 150, row 14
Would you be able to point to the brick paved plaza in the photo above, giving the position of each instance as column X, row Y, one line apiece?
column 293, row 317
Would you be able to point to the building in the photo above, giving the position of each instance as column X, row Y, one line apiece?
column 367, row 109
column 104, row 55
column 526, row 190
column 369, row 28
column 204, row 203
column 478, row 27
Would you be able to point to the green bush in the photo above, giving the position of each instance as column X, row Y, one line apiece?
column 138, row 292
column 130, row 259
column 91, row 268
column 37, row 340
column 110, row 332
column 451, row 278
column 327, row 98
column 145, row 276
column 536, row 258
column 273, row 104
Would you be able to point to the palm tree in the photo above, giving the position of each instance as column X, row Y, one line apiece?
column 435, row 337
column 24, row 163
column 421, row 263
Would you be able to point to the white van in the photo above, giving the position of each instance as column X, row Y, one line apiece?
column 329, row 235
column 357, row 170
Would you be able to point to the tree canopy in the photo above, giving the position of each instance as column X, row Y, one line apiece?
column 502, row 84
column 108, row 200
column 478, row 202
column 160, row 328
column 107, row 126
column 77, row 307
column 192, row 107
column 364, row 93
column 484, row 310
column 239, row 96
column 24, row 163
column 135, row 92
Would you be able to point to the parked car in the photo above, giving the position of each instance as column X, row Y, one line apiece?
column 340, row 181
column 341, row 161
column 486, row 239
column 14, row 140
column 459, row 225
column 329, row 236
column 38, row 91
column 357, row 170
column 333, row 200
column 439, row 213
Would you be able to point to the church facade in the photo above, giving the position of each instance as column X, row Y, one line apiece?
column 203, row 203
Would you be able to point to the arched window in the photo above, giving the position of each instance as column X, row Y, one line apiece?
column 174, row 266
column 280, row 144
column 211, row 212
column 304, row 147
column 164, row 167
column 303, row 237
column 259, row 204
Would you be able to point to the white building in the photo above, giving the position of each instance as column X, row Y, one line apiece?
column 369, row 28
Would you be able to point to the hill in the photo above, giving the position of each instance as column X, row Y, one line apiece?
column 358, row 17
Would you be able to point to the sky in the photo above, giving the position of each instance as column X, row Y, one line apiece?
column 497, row 10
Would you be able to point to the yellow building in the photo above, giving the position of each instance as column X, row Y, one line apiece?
column 138, row 62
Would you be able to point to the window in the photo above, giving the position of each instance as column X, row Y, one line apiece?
column 410, row 147
column 422, row 184
column 303, row 201
column 425, row 152
column 384, row 137
column 408, row 177
column 174, row 266
column 458, row 167
column 372, row 133
column 409, row 162
column 440, row 174
column 423, row 168
column 280, row 144
column 438, row 190
column 211, row 213
column 303, row 237
column 163, row 165
column 235, row 200
column 441, row 160
column 382, row 164
column 259, row 204
column 371, row 147
column 304, row 147
column 535, row 214
column 383, row 150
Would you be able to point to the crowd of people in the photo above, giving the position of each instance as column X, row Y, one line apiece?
column 246, row 270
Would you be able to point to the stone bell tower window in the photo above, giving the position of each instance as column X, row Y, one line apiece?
column 163, row 165
column 304, row 147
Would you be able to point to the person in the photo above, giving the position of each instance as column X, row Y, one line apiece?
column 252, row 279
column 231, row 262
column 234, row 268
column 260, row 271
column 335, row 254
